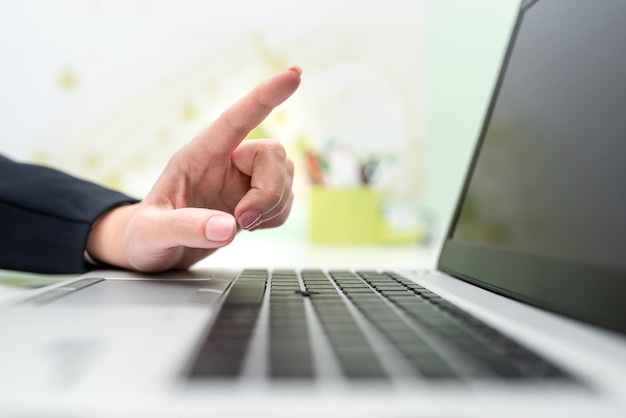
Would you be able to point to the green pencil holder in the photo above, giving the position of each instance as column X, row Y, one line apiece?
column 352, row 216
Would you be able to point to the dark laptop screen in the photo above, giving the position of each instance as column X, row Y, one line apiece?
column 543, row 216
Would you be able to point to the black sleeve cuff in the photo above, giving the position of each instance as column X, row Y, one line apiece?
column 46, row 217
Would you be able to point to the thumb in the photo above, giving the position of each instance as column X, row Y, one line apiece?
column 192, row 227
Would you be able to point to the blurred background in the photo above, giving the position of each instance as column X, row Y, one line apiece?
column 396, row 89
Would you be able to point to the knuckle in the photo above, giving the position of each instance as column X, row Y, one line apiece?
column 274, row 148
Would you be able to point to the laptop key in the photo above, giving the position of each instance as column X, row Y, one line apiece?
column 223, row 350
column 352, row 349
column 496, row 352
column 289, row 345
column 416, row 351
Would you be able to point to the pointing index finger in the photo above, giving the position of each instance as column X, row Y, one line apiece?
column 232, row 126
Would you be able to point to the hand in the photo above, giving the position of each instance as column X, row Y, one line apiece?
column 210, row 188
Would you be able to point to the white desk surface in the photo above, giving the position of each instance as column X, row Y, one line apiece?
column 251, row 251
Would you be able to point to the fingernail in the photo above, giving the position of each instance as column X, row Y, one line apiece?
column 296, row 69
column 220, row 228
column 249, row 219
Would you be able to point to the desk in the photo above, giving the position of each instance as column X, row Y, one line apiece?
column 255, row 251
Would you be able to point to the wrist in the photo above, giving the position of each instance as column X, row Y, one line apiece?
column 105, row 243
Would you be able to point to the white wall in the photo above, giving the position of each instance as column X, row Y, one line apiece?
column 108, row 89
column 464, row 44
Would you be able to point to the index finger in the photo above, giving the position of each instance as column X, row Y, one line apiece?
column 232, row 126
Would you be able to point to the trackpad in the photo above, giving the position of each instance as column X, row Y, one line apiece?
column 136, row 292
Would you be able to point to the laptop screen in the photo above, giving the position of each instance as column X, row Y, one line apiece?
column 542, row 216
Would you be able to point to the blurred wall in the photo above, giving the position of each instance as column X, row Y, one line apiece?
column 464, row 46
column 108, row 90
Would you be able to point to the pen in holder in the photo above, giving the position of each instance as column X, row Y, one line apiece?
column 346, row 202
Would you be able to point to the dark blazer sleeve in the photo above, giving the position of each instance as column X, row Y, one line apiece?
column 46, row 216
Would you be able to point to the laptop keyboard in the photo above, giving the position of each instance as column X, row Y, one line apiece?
column 358, row 313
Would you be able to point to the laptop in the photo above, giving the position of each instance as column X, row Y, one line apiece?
column 524, row 315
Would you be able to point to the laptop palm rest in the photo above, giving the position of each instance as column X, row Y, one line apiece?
column 134, row 292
